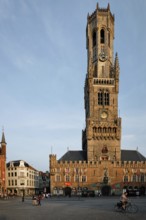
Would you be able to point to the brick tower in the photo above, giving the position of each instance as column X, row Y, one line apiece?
column 101, row 138
column 101, row 165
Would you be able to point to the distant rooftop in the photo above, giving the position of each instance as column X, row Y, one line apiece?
column 132, row 155
column 16, row 163
column 126, row 155
column 74, row 156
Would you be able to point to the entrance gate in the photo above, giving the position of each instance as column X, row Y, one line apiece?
column 67, row 191
column 106, row 190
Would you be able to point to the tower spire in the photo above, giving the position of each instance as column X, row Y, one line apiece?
column 3, row 138
column 3, row 144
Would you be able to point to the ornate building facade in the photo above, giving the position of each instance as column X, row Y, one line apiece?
column 101, row 165
column 21, row 178
column 3, row 165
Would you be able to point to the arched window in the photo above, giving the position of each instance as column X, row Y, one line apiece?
column 102, row 36
column 94, row 39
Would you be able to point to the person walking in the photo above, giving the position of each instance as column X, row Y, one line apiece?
column 39, row 199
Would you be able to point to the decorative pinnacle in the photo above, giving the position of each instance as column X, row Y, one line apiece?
column 3, row 137
column 108, row 7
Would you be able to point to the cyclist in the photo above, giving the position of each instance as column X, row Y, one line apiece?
column 124, row 200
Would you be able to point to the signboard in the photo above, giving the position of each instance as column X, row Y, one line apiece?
column 68, row 183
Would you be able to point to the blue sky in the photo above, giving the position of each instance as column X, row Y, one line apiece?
column 43, row 63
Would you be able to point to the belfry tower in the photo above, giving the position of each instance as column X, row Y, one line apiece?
column 101, row 138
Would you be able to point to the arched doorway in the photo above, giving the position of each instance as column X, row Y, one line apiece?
column 106, row 190
column 67, row 191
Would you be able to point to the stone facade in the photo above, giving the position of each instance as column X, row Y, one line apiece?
column 21, row 178
column 101, row 165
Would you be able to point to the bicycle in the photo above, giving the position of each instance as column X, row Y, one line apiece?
column 130, row 207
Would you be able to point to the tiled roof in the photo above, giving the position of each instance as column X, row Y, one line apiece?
column 132, row 155
column 16, row 163
column 126, row 155
column 74, row 156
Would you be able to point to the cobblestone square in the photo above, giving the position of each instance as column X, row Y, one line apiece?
column 101, row 208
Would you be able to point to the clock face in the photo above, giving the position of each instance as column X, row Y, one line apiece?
column 104, row 114
column 102, row 57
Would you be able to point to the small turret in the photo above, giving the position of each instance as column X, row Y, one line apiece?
column 116, row 66
column 3, row 138
column 117, row 71
column 108, row 7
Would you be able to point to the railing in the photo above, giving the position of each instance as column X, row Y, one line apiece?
column 103, row 81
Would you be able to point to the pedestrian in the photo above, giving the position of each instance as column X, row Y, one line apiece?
column 39, row 199
column 23, row 195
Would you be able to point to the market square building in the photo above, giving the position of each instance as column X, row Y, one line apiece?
column 101, row 164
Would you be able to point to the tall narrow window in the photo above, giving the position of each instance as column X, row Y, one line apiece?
column 106, row 98
column 58, row 179
column 100, row 98
column 94, row 45
column 94, row 39
column 103, row 98
column 142, row 178
column 83, row 178
column 95, row 71
column 76, row 178
column 125, row 178
column 134, row 178
column 109, row 39
column 102, row 36
column 103, row 72
column 67, row 178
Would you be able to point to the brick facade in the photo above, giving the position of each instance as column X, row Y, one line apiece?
column 102, row 165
